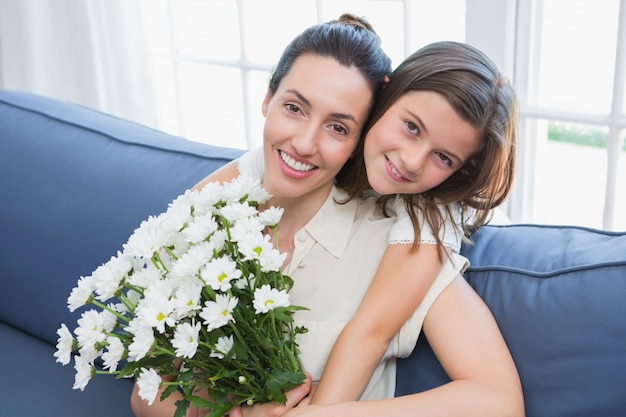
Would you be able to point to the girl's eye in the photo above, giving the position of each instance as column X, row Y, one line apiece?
column 443, row 158
column 413, row 128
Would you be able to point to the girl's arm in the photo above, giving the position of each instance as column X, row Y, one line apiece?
column 399, row 286
column 465, row 338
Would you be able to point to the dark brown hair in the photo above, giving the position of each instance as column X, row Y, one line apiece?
column 474, row 87
column 350, row 40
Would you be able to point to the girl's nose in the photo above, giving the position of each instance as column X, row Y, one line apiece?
column 414, row 158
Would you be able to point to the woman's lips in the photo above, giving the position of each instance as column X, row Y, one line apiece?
column 293, row 168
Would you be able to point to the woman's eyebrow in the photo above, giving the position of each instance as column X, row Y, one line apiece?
column 308, row 103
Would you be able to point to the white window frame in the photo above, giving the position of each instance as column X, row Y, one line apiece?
column 509, row 37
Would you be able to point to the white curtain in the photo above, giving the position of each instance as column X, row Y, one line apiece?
column 90, row 52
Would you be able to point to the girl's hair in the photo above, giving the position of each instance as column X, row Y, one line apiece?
column 474, row 87
column 350, row 40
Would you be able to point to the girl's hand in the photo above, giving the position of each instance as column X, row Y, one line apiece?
column 297, row 396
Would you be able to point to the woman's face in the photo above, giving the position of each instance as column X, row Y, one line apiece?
column 313, row 122
column 417, row 144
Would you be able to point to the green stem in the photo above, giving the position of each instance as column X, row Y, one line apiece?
column 110, row 310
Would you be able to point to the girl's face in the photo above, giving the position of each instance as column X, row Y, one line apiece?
column 313, row 122
column 417, row 144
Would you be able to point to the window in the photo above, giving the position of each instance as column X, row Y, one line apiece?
column 570, row 70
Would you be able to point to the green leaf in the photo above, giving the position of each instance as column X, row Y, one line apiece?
column 280, row 381
column 181, row 408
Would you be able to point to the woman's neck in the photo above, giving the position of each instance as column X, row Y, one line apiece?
column 297, row 213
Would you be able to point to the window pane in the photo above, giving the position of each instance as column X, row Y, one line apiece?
column 577, row 59
column 271, row 24
column 212, row 104
column 257, row 87
column 206, row 29
column 433, row 21
column 570, row 174
column 619, row 216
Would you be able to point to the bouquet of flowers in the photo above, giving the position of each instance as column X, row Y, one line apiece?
column 194, row 303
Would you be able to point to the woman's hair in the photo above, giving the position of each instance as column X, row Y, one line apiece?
column 474, row 87
column 349, row 40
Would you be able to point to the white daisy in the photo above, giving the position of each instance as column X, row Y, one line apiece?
column 222, row 347
column 148, row 382
column 90, row 329
column 253, row 246
column 245, row 227
column 147, row 238
column 155, row 311
column 84, row 372
column 113, row 354
column 219, row 272
column 267, row 298
column 201, row 228
column 271, row 216
column 186, row 301
column 65, row 345
column 271, row 260
column 219, row 312
column 143, row 338
column 186, row 339
column 109, row 277
column 81, row 294
column 237, row 211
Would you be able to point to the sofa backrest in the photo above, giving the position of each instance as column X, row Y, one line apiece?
column 559, row 297
column 74, row 185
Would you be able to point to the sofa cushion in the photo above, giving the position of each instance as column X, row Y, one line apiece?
column 559, row 297
column 34, row 385
column 75, row 184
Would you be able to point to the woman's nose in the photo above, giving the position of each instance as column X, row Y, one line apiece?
column 305, row 141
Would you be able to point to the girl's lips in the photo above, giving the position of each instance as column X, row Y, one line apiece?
column 393, row 172
column 293, row 168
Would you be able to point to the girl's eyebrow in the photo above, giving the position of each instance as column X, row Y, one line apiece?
column 448, row 153
column 344, row 116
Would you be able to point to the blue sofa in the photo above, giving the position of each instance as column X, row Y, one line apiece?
column 74, row 183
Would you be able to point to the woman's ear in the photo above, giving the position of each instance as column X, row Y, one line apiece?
column 266, row 103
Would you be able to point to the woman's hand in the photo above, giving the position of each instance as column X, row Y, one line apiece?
column 299, row 395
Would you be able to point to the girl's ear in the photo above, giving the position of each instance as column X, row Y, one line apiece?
column 266, row 103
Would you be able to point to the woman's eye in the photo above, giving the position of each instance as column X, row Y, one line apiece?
column 292, row 108
column 413, row 128
column 444, row 158
column 339, row 129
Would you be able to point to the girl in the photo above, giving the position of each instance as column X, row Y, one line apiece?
column 440, row 149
